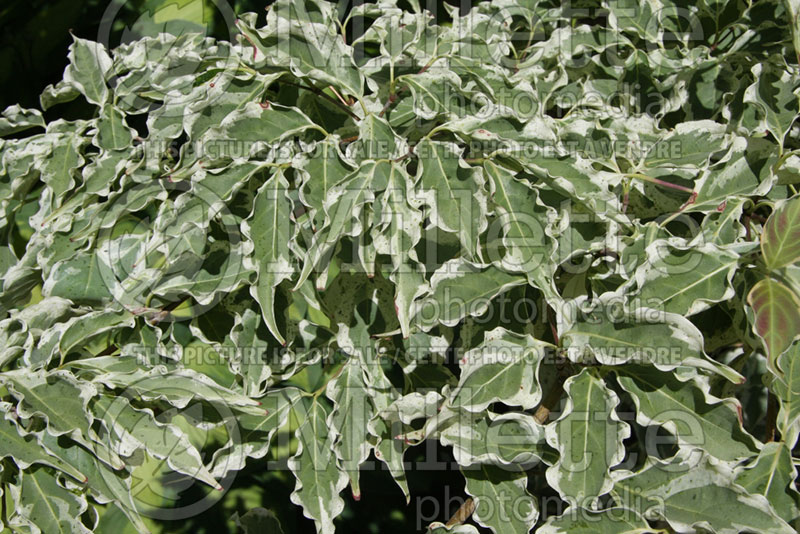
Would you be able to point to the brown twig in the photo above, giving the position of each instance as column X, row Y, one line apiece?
column 342, row 100
column 462, row 514
column 549, row 402
column 747, row 230
column 392, row 99
column 689, row 202
column 772, row 413
column 553, row 329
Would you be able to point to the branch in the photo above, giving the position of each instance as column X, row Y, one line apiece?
column 326, row 97
column 462, row 514
column 549, row 402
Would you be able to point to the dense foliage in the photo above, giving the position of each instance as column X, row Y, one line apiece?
column 560, row 241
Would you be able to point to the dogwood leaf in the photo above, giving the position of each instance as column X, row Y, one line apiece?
column 588, row 436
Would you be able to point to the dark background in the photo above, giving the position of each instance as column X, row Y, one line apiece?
column 36, row 33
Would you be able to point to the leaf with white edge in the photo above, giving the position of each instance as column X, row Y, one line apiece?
column 453, row 192
column 59, row 93
column 793, row 12
column 433, row 92
column 441, row 528
column 106, row 485
column 502, row 502
column 523, row 222
column 226, row 96
column 252, row 356
column 461, row 288
column 255, row 432
column 383, row 431
column 41, row 501
column 501, row 440
column 787, row 389
column 352, row 410
column 777, row 317
column 178, row 387
column 112, row 131
column 467, row 202
column 690, row 492
column 258, row 521
column 308, row 49
column 610, row 521
column 59, row 168
column 255, row 126
column 319, row 479
column 578, row 180
column 17, row 119
column 722, row 226
column 62, row 401
column 270, row 238
column 131, row 430
column 25, row 450
column 614, row 336
column 780, row 241
column 343, row 207
column 588, row 436
column 398, row 229
column 79, row 279
column 45, row 313
column 748, row 172
column 690, row 144
column 323, row 170
column 774, row 91
column 376, row 140
column 773, row 475
column 685, row 280
column 696, row 418
column 217, row 186
column 390, row 451
column 89, row 65
column 505, row 368
column 82, row 328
